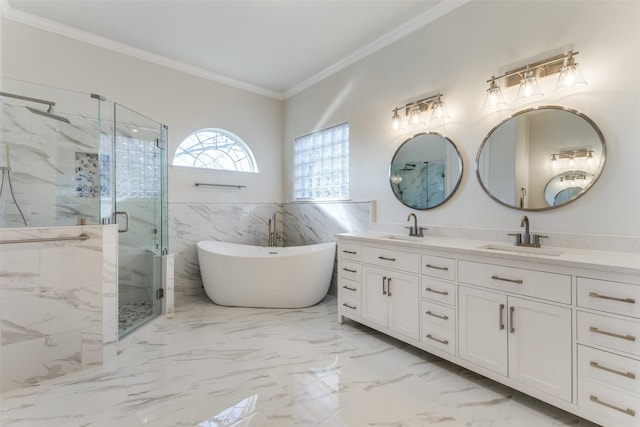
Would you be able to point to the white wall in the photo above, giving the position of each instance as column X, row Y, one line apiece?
column 182, row 101
column 456, row 55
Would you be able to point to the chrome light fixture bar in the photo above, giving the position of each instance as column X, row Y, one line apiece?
column 527, row 77
column 414, row 112
column 572, row 154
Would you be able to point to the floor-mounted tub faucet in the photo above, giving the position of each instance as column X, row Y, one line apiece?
column 273, row 234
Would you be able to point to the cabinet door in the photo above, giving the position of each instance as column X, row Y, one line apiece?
column 374, row 295
column 540, row 346
column 404, row 304
column 483, row 328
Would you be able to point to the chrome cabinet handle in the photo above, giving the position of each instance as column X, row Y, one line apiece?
column 518, row 281
column 352, row 307
column 613, row 371
column 348, row 288
column 126, row 220
column 384, row 282
column 612, row 334
column 349, row 270
column 597, row 295
column 435, row 291
column 500, row 314
column 436, row 267
column 609, row 405
column 386, row 259
column 445, row 342
column 512, row 310
column 439, row 316
column 389, row 287
column 349, row 252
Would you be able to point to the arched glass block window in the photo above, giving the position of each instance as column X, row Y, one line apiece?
column 215, row 149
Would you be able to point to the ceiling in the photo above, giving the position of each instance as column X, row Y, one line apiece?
column 276, row 47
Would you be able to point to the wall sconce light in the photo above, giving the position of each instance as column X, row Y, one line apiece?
column 527, row 78
column 414, row 111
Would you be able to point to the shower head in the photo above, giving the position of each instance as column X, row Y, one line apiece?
column 48, row 113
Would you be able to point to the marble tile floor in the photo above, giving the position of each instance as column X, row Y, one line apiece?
column 221, row 366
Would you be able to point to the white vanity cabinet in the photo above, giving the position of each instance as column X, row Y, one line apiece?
column 608, row 329
column 564, row 329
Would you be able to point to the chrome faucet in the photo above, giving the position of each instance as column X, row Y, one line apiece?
column 415, row 231
column 526, row 238
column 273, row 234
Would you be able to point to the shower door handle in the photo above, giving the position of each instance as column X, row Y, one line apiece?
column 126, row 220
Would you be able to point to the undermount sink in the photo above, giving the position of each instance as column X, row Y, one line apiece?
column 523, row 250
column 402, row 237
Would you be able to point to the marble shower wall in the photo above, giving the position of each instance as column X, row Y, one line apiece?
column 53, row 168
column 297, row 223
column 58, row 308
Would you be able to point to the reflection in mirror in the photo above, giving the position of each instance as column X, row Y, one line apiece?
column 565, row 186
column 536, row 159
column 425, row 171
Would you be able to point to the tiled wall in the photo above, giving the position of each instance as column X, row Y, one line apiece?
column 58, row 307
column 298, row 223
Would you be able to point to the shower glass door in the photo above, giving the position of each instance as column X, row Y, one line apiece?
column 139, row 209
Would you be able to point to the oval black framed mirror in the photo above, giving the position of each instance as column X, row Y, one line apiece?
column 528, row 159
column 425, row 171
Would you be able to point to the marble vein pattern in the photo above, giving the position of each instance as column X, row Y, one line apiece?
column 52, row 303
column 228, row 366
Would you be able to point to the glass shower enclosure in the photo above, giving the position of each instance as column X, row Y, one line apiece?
column 71, row 158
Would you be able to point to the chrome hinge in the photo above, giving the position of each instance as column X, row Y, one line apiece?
column 161, row 143
column 160, row 293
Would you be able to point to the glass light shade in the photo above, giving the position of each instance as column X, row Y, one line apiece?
column 570, row 75
column 529, row 87
column 439, row 111
column 494, row 99
column 395, row 120
column 415, row 116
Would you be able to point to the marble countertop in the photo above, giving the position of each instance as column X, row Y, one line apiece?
column 616, row 262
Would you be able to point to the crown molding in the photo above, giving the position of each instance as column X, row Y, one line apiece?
column 407, row 28
column 7, row 12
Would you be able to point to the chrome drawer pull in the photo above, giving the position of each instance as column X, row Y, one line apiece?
column 349, row 289
column 436, row 291
column 500, row 321
column 352, row 307
column 349, row 252
column 384, row 284
column 349, row 270
column 494, row 277
column 389, row 287
column 512, row 309
column 445, row 342
column 609, row 405
column 436, row 267
column 597, row 295
column 613, row 371
column 439, row 316
column 386, row 259
column 611, row 334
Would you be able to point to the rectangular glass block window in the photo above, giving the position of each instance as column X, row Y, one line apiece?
column 321, row 164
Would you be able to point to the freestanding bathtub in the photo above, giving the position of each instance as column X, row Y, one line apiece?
column 254, row 276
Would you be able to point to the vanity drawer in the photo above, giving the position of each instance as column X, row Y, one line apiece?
column 349, row 288
column 534, row 283
column 440, row 267
column 349, row 305
column 439, row 291
column 350, row 270
column 609, row 368
column 351, row 252
column 612, row 297
column 608, row 405
column 439, row 315
column 390, row 258
column 616, row 334
column 442, row 339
